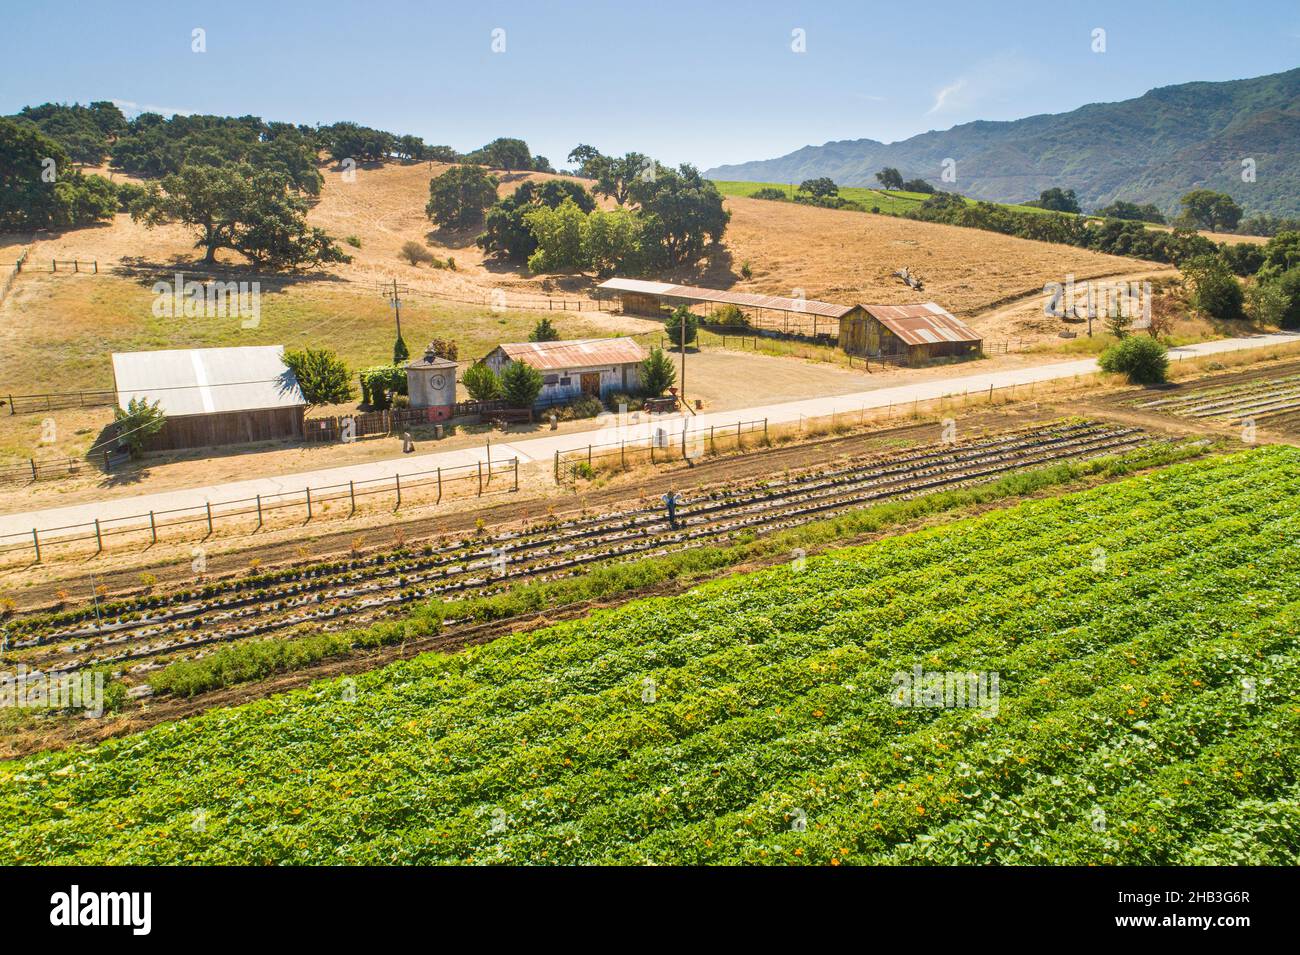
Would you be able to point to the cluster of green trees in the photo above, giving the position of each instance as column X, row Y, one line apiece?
column 1131, row 210
column 84, row 132
column 664, row 217
column 891, row 178
column 1057, row 200
column 41, row 188
column 1272, row 296
column 518, row 385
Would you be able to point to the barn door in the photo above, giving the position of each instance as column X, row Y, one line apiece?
column 591, row 383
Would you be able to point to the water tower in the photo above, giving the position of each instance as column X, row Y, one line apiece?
column 431, row 385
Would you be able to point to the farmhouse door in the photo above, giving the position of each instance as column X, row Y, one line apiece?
column 591, row 383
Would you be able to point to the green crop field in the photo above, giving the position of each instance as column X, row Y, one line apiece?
column 887, row 201
column 1139, row 640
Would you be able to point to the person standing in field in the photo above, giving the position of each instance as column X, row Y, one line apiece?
column 670, row 502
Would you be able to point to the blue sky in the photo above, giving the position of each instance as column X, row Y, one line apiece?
column 705, row 82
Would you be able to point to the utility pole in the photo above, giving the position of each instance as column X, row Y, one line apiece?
column 397, row 309
column 683, row 339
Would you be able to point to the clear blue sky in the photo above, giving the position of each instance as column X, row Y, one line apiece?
column 705, row 82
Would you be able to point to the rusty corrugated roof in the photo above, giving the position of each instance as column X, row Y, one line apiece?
column 925, row 324
column 578, row 353
column 695, row 294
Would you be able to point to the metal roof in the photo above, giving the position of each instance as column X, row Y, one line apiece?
column 578, row 353
column 693, row 293
column 194, row 381
column 925, row 324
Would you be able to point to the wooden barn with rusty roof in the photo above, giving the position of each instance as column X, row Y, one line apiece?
column 914, row 334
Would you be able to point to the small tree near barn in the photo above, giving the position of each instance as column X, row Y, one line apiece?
column 544, row 331
column 137, row 422
column 481, row 382
column 657, row 373
column 681, row 318
column 321, row 374
column 521, row 383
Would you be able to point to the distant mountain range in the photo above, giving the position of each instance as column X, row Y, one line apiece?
column 1153, row 149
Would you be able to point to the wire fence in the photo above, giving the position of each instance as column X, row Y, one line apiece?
column 310, row 503
column 662, row 442
column 29, row 404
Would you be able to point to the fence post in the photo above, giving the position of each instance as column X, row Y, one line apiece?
column 588, row 455
column 208, row 505
column 398, row 479
column 352, row 495
column 259, row 512
column 309, row 504
column 516, row 487
column 622, row 454
column 480, row 479
column 439, row 501
column 557, row 467
column 712, row 447
column 764, row 429
column 153, row 527
column 36, row 542
column 11, row 405
column 33, row 463
column 99, row 537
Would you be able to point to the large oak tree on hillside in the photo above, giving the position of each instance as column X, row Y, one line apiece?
column 682, row 212
column 1210, row 210
column 460, row 196
column 237, row 207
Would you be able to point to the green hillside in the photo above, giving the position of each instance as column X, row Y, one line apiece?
column 1153, row 148
column 887, row 201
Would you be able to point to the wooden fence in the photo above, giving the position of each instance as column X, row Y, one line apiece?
column 310, row 502
column 28, row 404
column 14, row 268
column 364, row 425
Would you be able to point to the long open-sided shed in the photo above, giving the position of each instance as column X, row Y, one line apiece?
column 776, row 312
column 916, row 333
column 213, row 396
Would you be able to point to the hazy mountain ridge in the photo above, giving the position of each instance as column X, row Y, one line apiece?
column 1152, row 148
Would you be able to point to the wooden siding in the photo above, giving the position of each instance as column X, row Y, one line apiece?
column 228, row 427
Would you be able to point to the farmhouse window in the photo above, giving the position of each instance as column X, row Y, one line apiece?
column 550, row 379
column 564, row 380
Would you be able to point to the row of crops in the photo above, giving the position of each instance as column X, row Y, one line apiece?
column 143, row 632
column 1141, row 636
column 1271, row 399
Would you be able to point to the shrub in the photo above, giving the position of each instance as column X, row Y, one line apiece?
column 481, row 382
column 415, row 253
column 1215, row 291
column 630, row 402
column 584, row 407
column 544, row 331
column 521, row 383
column 321, row 375
column 138, row 421
column 400, row 352
column 1267, row 303
column 657, row 373
column 745, row 271
column 775, row 195
column 353, row 241
column 1289, row 283
column 730, row 316
column 673, row 325
column 1144, row 360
